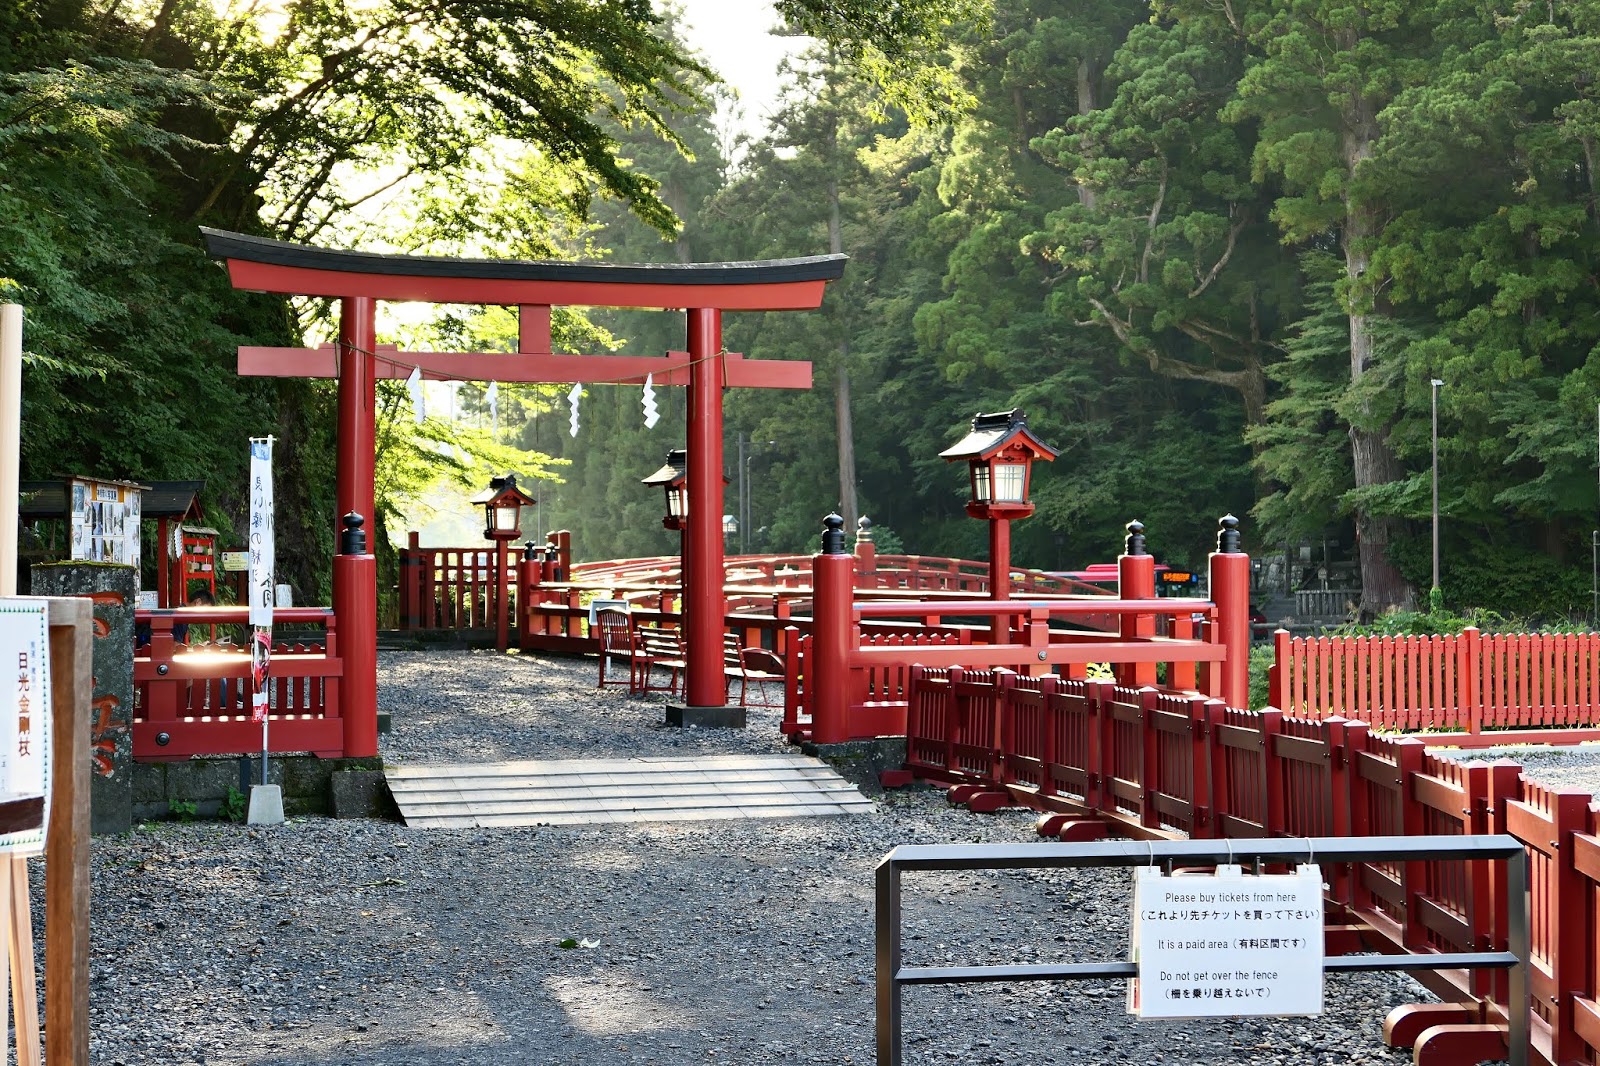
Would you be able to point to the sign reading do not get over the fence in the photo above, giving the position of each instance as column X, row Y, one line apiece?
column 1227, row 944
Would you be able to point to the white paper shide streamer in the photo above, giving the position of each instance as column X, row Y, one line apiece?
column 262, row 567
column 572, row 400
column 493, row 396
column 419, row 403
column 651, row 414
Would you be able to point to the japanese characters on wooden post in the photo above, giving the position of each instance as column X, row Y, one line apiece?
column 262, row 563
column 1227, row 944
column 24, row 724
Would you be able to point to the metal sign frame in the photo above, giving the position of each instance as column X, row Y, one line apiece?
column 893, row 976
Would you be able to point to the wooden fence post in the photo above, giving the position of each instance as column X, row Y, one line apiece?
column 1230, row 591
column 1469, row 675
column 1136, row 580
column 1281, row 674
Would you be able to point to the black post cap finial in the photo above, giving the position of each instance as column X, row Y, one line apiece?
column 833, row 535
column 352, row 538
column 1228, row 535
column 1134, row 544
column 527, row 551
column 863, row 530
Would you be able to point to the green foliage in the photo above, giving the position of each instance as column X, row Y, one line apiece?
column 181, row 810
column 1160, row 228
column 898, row 48
column 236, row 805
column 1261, row 659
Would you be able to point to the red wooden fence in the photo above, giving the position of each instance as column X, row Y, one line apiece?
column 1015, row 634
column 1478, row 689
column 194, row 699
column 1167, row 764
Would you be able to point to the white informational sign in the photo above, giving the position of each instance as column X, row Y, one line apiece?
column 25, row 716
column 262, row 563
column 1227, row 945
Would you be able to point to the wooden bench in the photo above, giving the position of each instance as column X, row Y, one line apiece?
column 748, row 665
column 657, row 646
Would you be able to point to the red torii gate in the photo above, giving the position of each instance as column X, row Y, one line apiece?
column 360, row 279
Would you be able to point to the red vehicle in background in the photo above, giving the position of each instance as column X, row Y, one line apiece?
column 1170, row 581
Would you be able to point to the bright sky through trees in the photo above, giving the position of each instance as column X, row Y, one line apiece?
column 733, row 36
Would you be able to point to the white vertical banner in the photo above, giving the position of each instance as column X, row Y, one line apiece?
column 262, row 582
column 25, row 719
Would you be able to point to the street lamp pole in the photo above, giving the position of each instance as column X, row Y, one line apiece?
column 1435, row 384
column 744, row 495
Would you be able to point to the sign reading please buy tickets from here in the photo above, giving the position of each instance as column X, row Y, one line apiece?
column 1227, row 945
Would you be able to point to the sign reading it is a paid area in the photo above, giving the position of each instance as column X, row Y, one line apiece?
column 1227, row 944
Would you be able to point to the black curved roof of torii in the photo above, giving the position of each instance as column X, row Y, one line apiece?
column 224, row 244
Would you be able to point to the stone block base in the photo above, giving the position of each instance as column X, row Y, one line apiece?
column 685, row 716
column 361, row 794
column 162, row 789
column 862, row 762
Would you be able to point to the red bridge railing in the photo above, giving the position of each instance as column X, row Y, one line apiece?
column 1477, row 689
column 1153, row 764
column 194, row 698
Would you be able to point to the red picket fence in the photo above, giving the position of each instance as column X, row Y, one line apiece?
column 194, row 699
column 449, row 588
column 1479, row 690
column 1152, row 764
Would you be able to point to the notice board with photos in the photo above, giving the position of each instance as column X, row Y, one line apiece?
column 105, row 517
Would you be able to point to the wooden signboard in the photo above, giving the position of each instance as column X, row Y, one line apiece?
column 54, row 716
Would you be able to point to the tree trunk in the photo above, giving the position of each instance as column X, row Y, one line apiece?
column 1085, row 105
column 841, row 385
column 1372, row 459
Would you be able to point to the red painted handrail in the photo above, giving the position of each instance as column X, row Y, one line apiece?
column 193, row 699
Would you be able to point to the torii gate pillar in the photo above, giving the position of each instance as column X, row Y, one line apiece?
column 355, row 577
column 705, row 690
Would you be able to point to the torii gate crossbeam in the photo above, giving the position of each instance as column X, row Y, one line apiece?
column 358, row 280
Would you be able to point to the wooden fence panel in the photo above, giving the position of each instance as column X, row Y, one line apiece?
column 1177, row 795
column 1073, row 766
column 1239, row 791
column 1026, row 734
column 1548, row 821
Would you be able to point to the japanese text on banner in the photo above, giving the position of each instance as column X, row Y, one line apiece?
column 262, row 566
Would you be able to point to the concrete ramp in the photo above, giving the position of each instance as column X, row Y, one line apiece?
column 601, row 791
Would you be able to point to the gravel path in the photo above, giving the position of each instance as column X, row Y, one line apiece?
column 328, row 942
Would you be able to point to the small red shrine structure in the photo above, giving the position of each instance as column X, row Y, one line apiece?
column 358, row 280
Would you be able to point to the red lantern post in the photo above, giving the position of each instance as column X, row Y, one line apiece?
column 502, row 504
column 1000, row 452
